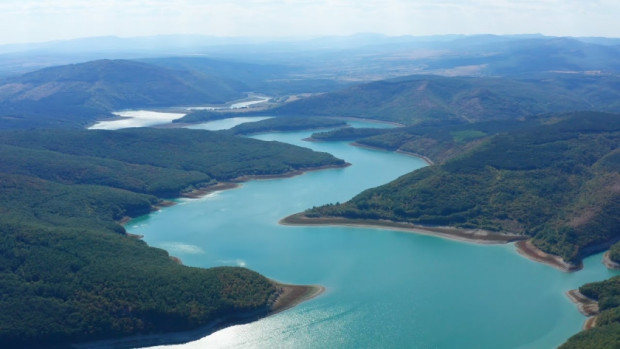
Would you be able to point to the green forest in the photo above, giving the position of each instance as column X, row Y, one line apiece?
column 556, row 183
column 606, row 334
column 68, row 270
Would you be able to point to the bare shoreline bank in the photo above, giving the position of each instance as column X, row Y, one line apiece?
column 524, row 247
column 464, row 235
column 609, row 263
column 586, row 306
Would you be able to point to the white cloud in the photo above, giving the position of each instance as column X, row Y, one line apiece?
column 39, row 20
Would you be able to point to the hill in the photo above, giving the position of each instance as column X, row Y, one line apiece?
column 68, row 270
column 606, row 333
column 556, row 183
column 75, row 95
column 414, row 99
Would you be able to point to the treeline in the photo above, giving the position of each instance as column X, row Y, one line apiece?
column 606, row 334
column 556, row 183
column 216, row 155
column 68, row 270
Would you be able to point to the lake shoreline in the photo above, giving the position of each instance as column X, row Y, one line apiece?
column 528, row 250
column 477, row 236
column 408, row 153
column 609, row 263
column 236, row 182
column 586, row 306
column 288, row 297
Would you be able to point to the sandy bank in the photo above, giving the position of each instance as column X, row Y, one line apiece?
column 478, row 236
column 586, row 306
column 528, row 250
column 609, row 263
column 288, row 297
column 292, row 295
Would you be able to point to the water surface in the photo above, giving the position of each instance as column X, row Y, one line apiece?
column 136, row 118
column 385, row 289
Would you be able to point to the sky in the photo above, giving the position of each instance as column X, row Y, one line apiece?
column 23, row 21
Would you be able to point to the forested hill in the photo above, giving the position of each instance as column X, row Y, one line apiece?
column 77, row 94
column 557, row 183
column 607, row 331
column 68, row 270
column 418, row 98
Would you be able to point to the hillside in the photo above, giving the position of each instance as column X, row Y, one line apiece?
column 420, row 98
column 606, row 333
column 68, row 270
column 75, row 95
column 434, row 140
column 556, row 183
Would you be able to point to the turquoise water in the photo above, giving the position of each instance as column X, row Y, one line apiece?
column 385, row 289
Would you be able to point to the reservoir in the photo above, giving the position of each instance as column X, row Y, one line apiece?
column 384, row 289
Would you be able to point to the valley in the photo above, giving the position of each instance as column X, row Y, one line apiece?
column 377, row 152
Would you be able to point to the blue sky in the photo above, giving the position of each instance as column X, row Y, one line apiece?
column 45, row 20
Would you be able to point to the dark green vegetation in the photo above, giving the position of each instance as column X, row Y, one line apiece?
column 556, row 182
column 614, row 253
column 203, row 156
column 284, row 125
column 68, row 270
column 606, row 334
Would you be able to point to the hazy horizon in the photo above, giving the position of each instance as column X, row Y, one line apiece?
column 35, row 21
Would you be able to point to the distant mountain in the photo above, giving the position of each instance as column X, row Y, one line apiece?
column 413, row 99
column 359, row 57
column 267, row 78
column 77, row 94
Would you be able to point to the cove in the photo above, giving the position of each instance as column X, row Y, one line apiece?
column 385, row 288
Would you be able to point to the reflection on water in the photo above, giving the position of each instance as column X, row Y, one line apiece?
column 136, row 118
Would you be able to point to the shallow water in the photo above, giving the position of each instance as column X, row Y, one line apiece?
column 136, row 118
column 384, row 288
